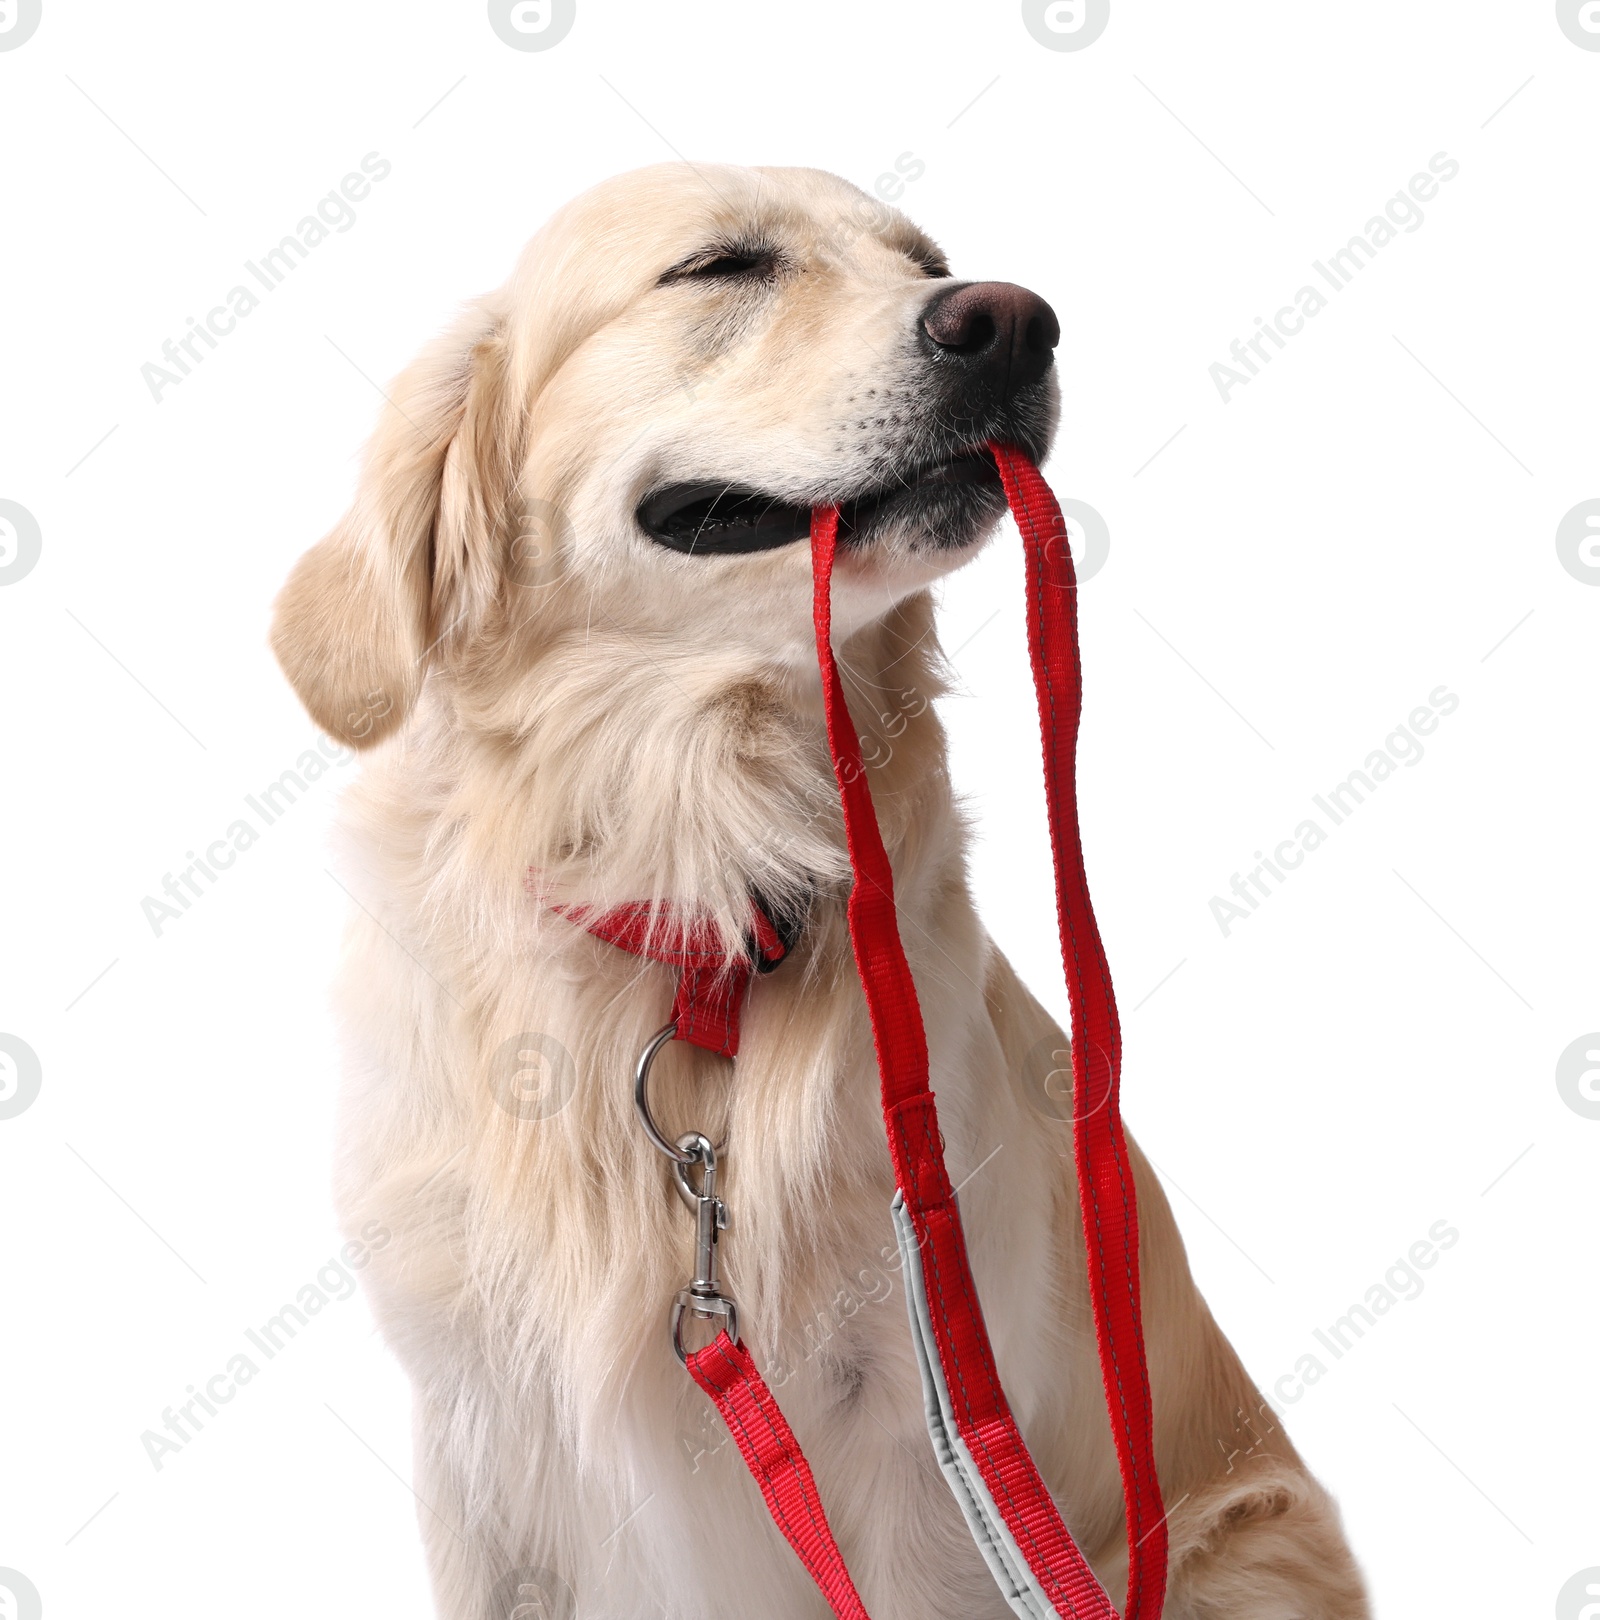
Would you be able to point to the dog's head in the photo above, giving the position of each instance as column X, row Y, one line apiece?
column 633, row 431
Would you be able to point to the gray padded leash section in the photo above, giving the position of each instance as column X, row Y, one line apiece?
column 1000, row 1552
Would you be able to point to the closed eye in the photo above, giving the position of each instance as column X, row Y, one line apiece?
column 729, row 263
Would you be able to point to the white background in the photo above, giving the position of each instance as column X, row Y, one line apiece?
column 1372, row 1051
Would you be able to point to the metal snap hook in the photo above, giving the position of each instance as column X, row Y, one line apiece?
column 702, row 1299
column 700, row 1151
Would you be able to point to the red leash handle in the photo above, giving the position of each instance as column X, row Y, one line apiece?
column 982, row 1416
column 1105, row 1176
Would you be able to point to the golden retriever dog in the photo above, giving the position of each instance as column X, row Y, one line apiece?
column 569, row 615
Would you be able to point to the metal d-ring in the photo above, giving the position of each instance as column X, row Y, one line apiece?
column 641, row 1098
column 702, row 1299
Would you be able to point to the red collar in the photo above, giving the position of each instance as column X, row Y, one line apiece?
column 711, row 984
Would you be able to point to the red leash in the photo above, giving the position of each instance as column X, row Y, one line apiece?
column 1008, row 1507
column 1105, row 1177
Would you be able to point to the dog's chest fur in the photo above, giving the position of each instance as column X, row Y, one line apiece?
column 537, row 1243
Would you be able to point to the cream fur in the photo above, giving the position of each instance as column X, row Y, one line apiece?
column 550, row 692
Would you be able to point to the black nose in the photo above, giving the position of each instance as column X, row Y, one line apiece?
column 1003, row 333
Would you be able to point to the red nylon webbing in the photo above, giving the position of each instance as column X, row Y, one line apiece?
column 982, row 1415
column 710, row 995
column 1105, row 1176
column 726, row 1373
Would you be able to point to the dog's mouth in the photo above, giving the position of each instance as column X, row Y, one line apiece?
column 946, row 500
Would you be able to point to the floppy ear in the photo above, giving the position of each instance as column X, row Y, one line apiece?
column 417, row 555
